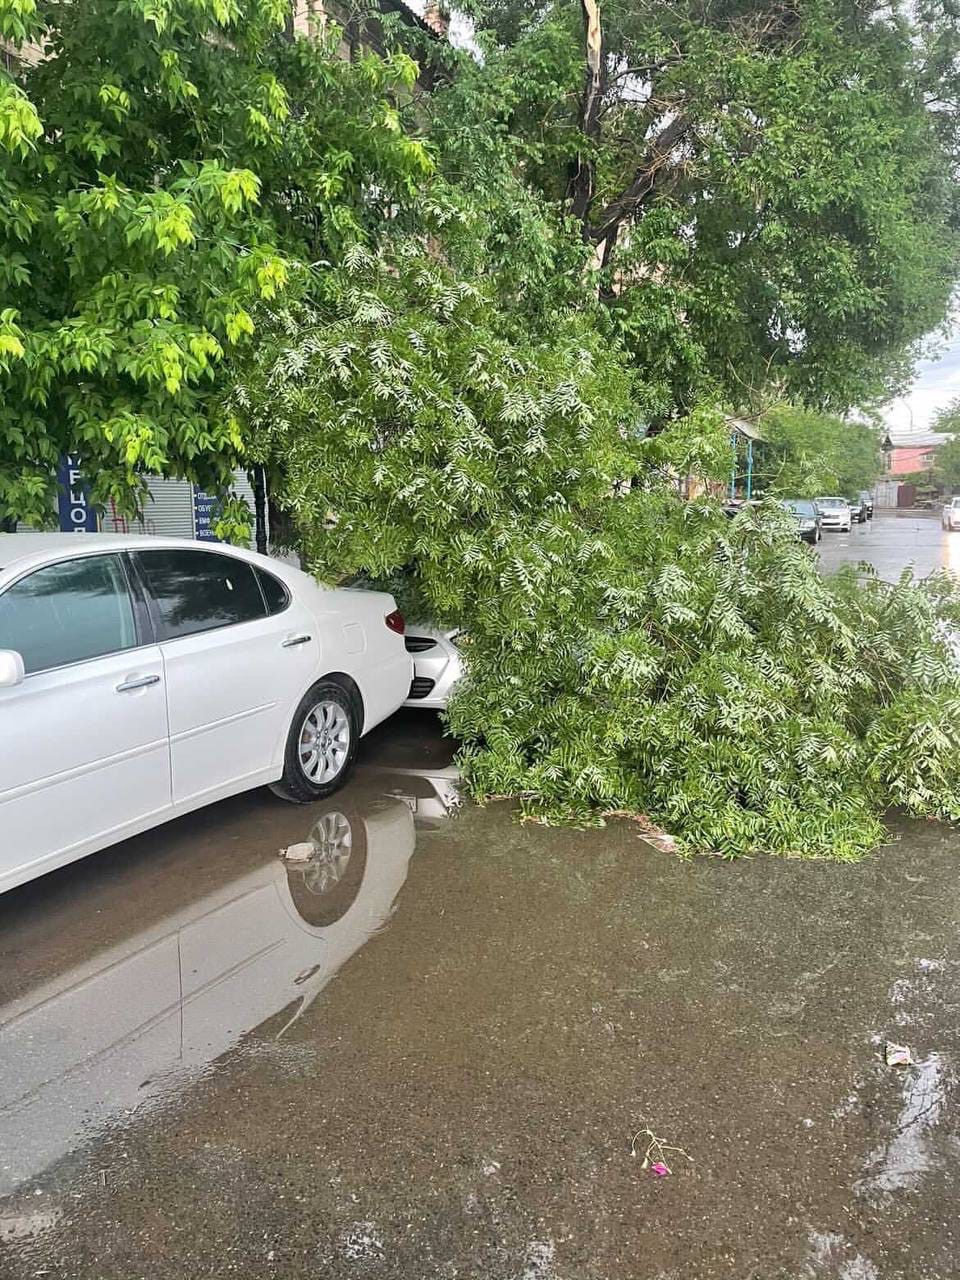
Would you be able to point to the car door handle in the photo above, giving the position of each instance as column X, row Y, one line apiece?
column 295, row 640
column 137, row 682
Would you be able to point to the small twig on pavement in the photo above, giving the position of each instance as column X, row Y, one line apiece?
column 655, row 1152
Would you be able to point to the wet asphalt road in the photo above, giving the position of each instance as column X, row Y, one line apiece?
column 432, row 1050
column 894, row 541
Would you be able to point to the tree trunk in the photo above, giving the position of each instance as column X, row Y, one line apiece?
column 649, row 173
column 580, row 185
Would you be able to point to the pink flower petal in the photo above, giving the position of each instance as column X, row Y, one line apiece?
column 659, row 1169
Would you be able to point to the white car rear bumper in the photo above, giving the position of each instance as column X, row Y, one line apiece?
column 437, row 666
column 382, row 688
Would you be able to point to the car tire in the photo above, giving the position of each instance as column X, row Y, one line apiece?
column 321, row 744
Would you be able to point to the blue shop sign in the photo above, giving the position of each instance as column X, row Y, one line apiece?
column 206, row 511
column 77, row 515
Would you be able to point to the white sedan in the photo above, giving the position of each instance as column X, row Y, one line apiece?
column 142, row 677
column 437, row 666
column 836, row 514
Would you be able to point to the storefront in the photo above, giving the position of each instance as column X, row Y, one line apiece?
column 174, row 508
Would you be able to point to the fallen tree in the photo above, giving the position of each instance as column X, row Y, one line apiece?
column 627, row 651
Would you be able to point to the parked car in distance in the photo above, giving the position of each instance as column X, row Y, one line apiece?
column 437, row 665
column 835, row 514
column 950, row 515
column 866, row 503
column 142, row 677
column 857, row 511
column 807, row 515
column 733, row 506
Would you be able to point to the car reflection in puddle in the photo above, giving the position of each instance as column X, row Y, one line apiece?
column 432, row 796
column 124, row 1030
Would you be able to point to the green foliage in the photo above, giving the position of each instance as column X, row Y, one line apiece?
column 400, row 379
column 947, row 419
column 768, row 189
column 714, row 682
column 806, row 453
column 945, row 473
column 626, row 650
column 450, row 353
column 167, row 167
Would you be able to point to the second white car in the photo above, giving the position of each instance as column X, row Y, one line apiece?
column 437, row 666
column 835, row 514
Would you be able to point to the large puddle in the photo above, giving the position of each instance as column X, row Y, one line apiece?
column 428, row 1050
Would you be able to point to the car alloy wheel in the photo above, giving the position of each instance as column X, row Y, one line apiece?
column 324, row 746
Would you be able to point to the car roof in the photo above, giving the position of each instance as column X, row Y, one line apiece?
column 36, row 548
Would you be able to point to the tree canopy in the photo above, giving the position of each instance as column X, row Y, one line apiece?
column 945, row 472
column 947, row 419
column 807, row 453
column 626, row 651
column 165, row 166
column 766, row 190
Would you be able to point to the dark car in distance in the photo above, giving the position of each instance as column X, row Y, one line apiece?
column 807, row 515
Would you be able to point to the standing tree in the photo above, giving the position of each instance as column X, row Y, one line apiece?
column 165, row 167
column 945, row 472
column 766, row 190
column 947, row 419
column 806, row 453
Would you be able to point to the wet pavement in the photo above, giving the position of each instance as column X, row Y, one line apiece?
column 893, row 540
column 442, row 1047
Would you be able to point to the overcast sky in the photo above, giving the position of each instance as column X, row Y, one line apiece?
column 936, row 384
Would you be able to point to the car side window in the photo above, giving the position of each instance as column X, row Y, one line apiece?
column 68, row 612
column 200, row 590
column 274, row 592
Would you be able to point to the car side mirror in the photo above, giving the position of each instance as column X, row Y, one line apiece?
column 11, row 668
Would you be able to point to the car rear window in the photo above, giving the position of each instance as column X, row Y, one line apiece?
column 200, row 590
column 275, row 594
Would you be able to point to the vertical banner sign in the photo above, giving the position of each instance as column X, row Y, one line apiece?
column 76, row 513
column 206, row 509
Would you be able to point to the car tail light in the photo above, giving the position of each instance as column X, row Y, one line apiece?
column 396, row 622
